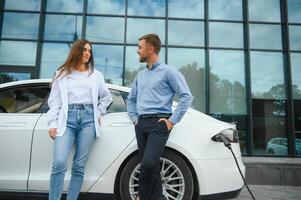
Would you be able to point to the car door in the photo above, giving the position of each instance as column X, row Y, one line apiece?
column 17, row 121
column 116, row 133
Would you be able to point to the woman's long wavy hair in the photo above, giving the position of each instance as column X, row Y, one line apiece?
column 75, row 59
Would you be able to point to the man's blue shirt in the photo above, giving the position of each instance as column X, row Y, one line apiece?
column 153, row 91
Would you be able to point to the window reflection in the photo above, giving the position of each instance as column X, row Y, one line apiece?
column 109, row 60
column 296, row 74
column 20, row 25
column 268, row 11
column 33, row 5
column 191, row 63
column 294, row 14
column 146, row 8
column 105, row 29
column 225, row 34
column 138, row 27
column 133, row 66
column 106, row 7
column 18, row 53
column 65, row 6
column 227, row 82
column 13, row 76
column 297, row 113
column 267, row 75
column 53, row 56
column 186, row 9
column 225, row 9
column 295, row 37
column 190, row 33
column 269, row 127
column 265, row 36
column 63, row 27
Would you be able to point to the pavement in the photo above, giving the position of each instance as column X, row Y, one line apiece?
column 271, row 192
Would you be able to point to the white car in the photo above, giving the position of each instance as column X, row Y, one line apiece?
column 192, row 166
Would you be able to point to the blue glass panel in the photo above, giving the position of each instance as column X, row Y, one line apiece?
column 20, row 25
column 267, row 10
column 65, row 6
column 265, row 36
column 225, row 9
column 186, row 9
column 116, row 7
column 32, row 5
column 18, row 53
column 146, row 7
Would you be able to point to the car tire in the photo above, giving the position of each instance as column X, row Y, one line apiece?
column 271, row 152
column 173, row 163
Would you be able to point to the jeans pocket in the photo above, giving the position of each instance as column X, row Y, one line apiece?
column 89, row 111
column 164, row 126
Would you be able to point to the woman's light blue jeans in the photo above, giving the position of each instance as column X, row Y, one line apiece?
column 80, row 131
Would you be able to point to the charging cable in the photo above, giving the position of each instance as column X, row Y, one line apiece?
column 222, row 138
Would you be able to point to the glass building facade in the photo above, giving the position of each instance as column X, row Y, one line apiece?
column 241, row 58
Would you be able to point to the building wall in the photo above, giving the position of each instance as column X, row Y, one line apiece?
column 241, row 58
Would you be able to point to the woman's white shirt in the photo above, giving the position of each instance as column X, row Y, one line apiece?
column 79, row 88
column 59, row 99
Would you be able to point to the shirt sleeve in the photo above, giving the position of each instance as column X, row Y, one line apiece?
column 105, row 98
column 54, row 103
column 181, row 89
column 132, row 102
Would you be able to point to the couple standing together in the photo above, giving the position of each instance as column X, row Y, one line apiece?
column 79, row 97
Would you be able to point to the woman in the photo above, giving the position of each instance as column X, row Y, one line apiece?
column 77, row 99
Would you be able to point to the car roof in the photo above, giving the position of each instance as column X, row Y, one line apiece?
column 48, row 81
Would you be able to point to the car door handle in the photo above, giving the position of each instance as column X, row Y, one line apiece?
column 13, row 124
column 120, row 124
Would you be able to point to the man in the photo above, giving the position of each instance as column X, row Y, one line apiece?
column 149, row 107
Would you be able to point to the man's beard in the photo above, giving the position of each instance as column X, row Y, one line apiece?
column 143, row 59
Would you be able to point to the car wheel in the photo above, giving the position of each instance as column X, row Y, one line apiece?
column 271, row 151
column 177, row 180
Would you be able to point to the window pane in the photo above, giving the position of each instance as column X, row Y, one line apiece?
column 63, row 27
column 25, row 100
column 296, row 75
column 225, row 9
column 133, row 66
column 23, row 4
column 186, row 9
column 190, row 33
column 269, row 127
column 65, row 6
column 53, row 56
column 138, row 27
column 225, row 34
column 146, row 7
column 297, row 114
column 118, row 104
column 18, row 53
column 105, row 29
column 191, row 62
column 13, row 76
column 268, row 10
column 265, row 36
column 227, row 82
column 267, row 75
column 295, row 37
column 294, row 14
column 20, row 25
column 106, row 7
column 108, row 60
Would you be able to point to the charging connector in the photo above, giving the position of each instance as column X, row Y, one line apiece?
column 220, row 137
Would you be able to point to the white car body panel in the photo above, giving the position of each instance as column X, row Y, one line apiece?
column 211, row 161
column 105, row 150
column 17, row 130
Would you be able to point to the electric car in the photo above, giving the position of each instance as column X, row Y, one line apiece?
column 193, row 166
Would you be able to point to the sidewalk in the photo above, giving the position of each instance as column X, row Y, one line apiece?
column 271, row 192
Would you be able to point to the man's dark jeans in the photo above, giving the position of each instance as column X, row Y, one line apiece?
column 151, row 137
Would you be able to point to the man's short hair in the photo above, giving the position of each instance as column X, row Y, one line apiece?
column 154, row 40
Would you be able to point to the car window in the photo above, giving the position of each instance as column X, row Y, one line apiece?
column 22, row 100
column 118, row 105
